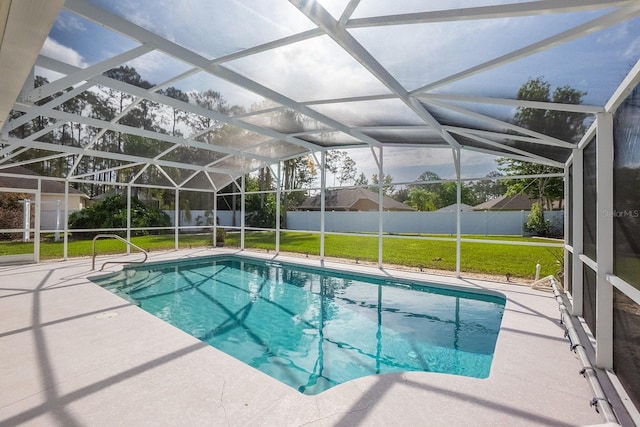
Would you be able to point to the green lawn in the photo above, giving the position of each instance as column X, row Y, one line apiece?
column 78, row 248
column 497, row 259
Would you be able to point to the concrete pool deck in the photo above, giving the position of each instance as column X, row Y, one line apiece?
column 74, row 354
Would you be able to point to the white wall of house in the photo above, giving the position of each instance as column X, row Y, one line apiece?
column 76, row 201
column 52, row 210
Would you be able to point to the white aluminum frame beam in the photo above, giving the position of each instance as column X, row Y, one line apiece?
column 117, row 127
column 84, row 74
column 628, row 84
column 152, row 95
column 534, row 157
column 508, row 155
column 523, row 103
column 542, row 138
column 578, row 231
column 323, row 19
column 543, row 7
column 619, row 15
column 106, row 155
column 604, row 241
column 128, row 29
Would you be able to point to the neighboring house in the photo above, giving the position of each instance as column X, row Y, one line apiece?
column 352, row 199
column 519, row 202
column 51, row 191
column 452, row 208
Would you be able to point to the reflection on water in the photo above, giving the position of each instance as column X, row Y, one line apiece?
column 313, row 330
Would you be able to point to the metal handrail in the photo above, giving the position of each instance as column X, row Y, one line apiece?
column 115, row 236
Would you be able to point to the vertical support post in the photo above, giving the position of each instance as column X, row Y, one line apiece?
column 26, row 220
column 604, row 241
column 567, row 199
column 323, row 185
column 379, row 332
column 56, row 234
column 176, row 219
column 486, row 222
column 65, row 239
column 215, row 219
column 243, row 202
column 36, row 231
column 380, row 206
column 578, row 231
column 456, row 156
column 128, row 218
column 278, row 198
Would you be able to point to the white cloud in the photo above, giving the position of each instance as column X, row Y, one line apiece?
column 213, row 29
column 70, row 22
column 633, row 51
column 334, row 7
column 152, row 62
column 291, row 69
column 260, row 16
column 622, row 35
column 406, row 164
column 47, row 74
column 427, row 156
column 385, row 7
column 613, row 36
column 55, row 50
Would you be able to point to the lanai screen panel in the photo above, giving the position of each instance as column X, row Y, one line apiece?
column 626, row 204
column 221, row 89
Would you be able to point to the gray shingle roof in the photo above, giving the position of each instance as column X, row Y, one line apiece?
column 518, row 202
column 48, row 187
column 352, row 199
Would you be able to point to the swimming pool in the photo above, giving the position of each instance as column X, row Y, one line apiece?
column 314, row 329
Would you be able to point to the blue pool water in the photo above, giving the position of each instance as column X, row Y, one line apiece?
column 313, row 329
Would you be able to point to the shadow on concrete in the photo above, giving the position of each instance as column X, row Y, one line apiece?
column 55, row 403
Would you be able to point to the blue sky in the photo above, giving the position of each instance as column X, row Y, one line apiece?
column 414, row 54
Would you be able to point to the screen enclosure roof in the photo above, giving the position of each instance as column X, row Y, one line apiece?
column 197, row 93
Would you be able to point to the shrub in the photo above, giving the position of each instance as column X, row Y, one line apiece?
column 221, row 235
column 12, row 212
column 262, row 216
column 536, row 224
column 112, row 213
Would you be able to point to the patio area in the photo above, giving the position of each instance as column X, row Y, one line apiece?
column 75, row 354
column 237, row 113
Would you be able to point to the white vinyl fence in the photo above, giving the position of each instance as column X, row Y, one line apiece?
column 472, row 222
column 199, row 218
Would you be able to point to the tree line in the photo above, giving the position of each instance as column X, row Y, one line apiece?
column 298, row 174
column 427, row 195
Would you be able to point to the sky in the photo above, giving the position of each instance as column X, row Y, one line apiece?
column 319, row 69
column 407, row 168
